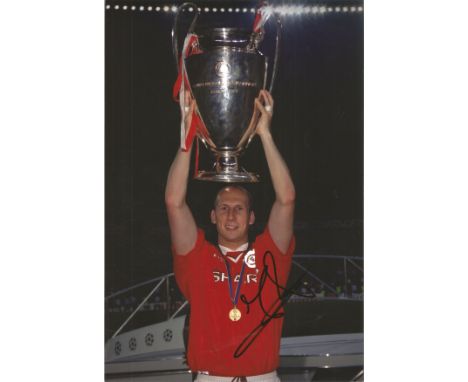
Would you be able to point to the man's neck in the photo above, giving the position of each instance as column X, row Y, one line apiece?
column 234, row 246
column 225, row 249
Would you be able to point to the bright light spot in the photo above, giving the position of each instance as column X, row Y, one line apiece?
column 133, row 7
column 237, row 9
column 345, row 9
column 359, row 9
column 174, row 8
column 244, row 10
column 215, row 9
column 353, row 9
column 322, row 10
column 124, row 7
column 190, row 9
column 337, row 9
column 116, row 7
column 327, row 355
column 150, row 8
column 252, row 10
column 222, row 9
column 207, row 9
column 330, row 9
column 107, row 6
column 142, row 8
column 229, row 9
column 158, row 9
column 314, row 9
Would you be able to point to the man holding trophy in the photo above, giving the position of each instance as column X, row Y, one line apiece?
column 212, row 278
column 234, row 287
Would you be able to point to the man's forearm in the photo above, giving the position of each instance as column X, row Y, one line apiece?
column 176, row 187
column 282, row 182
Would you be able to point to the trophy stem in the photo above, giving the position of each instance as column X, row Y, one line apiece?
column 227, row 170
column 227, row 162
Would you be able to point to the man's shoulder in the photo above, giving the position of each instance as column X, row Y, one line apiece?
column 265, row 241
column 201, row 244
column 263, row 238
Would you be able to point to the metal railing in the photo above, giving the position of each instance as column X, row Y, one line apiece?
column 352, row 260
column 162, row 280
column 166, row 281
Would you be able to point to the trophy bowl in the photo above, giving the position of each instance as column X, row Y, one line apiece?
column 225, row 80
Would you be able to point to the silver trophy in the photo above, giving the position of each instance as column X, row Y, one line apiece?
column 225, row 78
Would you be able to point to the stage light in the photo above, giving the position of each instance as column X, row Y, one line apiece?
column 237, row 9
column 142, row 8
column 116, row 7
column 222, row 10
column 108, row 6
column 337, row 9
column 124, row 7
column 330, row 9
column 214, row 9
column 345, row 9
column 359, row 9
column 252, row 10
column 190, row 9
column 150, row 8
column 315, row 9
column 166, row 9
column 229, row 9
column 244, row 10
column 133, row 7
column 174, row 9
column 158, row 9
column 353, row 9
column 322, row 9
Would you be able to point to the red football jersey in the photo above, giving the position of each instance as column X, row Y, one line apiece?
column 202, row 277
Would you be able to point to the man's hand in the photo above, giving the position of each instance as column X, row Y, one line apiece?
column 186, row 109
column 264, row 104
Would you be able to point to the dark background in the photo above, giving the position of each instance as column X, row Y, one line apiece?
column 317, row 126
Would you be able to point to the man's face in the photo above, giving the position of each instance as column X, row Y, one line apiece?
column 232, row 217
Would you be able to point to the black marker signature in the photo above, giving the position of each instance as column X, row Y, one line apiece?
column 283, row 294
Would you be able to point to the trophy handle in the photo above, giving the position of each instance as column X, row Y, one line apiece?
column 279, row 28
column 175, row 30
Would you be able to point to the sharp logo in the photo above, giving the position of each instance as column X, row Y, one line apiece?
column 223, row 277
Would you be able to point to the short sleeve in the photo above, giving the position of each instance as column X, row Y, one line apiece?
column 183, row 264
column 266, row 240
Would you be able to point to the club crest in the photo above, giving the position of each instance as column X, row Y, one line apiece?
column 249, row 259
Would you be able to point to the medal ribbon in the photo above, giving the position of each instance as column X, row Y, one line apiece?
column 230, row 281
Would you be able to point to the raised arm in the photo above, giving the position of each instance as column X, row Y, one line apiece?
column 280, row 222
column 181, row 222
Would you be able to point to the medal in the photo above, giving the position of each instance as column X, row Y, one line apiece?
column 235, row 314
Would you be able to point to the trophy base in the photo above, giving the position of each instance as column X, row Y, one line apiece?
column 228, row 177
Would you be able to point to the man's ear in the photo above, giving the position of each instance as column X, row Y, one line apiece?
column 251, row 218
column 213, row 217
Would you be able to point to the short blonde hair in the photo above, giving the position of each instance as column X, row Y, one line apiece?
column 236, row 187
